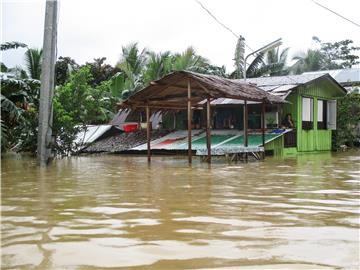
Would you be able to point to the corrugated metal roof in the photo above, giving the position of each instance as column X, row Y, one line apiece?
column 266, row 82
column 342, row 76
column 91, row 133
column 280, row 86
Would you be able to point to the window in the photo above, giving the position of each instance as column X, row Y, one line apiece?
column 321, row 114
column 331, row 114
column 307, row 113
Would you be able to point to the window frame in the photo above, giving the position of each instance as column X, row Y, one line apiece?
column 322, row 125
column 307, row 125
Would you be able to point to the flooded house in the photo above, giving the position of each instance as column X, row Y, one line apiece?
column 205, row 115
column 208, row 115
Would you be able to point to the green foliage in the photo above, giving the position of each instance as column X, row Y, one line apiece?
column 100, row 71
column 312, row 60
column 157, row 66
column 269, row 63
column 132, row 61
column 63, row 68
column 77, row 103
column 12, row 45
column 337, row 55
column 33, row 59
column 4, row 135
column 348, row 118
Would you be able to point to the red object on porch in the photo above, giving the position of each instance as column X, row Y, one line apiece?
column 130, row 127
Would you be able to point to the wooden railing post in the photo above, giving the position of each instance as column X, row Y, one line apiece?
column 189, row 122
column 263, row 126
column 208, row 134
column 148, row 133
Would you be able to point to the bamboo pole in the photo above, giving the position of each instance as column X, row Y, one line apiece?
column 189, row 122
column 148, row 133
column 208, row 134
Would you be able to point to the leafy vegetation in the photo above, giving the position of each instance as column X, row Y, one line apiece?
column 88, row 94
column 348, row 121
column 329, row 56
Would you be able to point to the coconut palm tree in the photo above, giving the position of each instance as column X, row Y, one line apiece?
column 157, row 65
column 132, row 60
column 33, row 59
column 189, row 60
column 312, row 60
column 270, row 63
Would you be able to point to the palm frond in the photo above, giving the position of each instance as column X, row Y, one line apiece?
column 33, row 59
column 12, row 45
column 8, row 106
column 239, row 57
column 255, row 64
column 284, row 54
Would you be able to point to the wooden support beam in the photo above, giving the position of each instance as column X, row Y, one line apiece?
column 279, row 114
column 245, row 123
column 205, row 89
column 174, row 115
column 246, row 127
column 189, row 122
column 164, row 87
column 263, row 127
column 263, row 123
column 208, row 134
column 148, row 133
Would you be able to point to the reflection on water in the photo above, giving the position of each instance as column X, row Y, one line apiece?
column 118, row 212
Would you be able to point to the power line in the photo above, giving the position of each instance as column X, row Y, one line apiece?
column 223, row 25
column 328, row 9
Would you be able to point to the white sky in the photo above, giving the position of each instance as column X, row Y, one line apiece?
column 91, row 29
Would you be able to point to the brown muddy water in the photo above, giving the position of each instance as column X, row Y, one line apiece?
column 117, row 212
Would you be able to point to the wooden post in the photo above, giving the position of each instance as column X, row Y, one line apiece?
column 189, row 122
column 279, row 115
column 245, row 123
column 148, row 133
column 174, row 123
column 246, row 127
column 208, row 134
column 263, row 124
column 263, row 127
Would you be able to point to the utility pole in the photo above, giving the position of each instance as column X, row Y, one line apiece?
column 47, row 83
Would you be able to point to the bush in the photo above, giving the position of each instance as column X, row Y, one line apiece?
column 348, row 119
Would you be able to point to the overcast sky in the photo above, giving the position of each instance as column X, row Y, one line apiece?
column 91, row 29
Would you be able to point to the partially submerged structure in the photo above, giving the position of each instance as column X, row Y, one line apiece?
column 233, row 117
column 190, row 91
column 312, row 104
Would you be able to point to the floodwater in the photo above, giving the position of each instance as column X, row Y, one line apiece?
column 117, row 212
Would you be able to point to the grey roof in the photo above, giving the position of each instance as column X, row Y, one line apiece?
column 346, row 77
column 281, row 85
column 282, row 80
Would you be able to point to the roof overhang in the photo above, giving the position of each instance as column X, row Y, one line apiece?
column 171, row 91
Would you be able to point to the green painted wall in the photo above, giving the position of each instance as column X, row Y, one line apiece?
column 311, row 140
column 276, row 145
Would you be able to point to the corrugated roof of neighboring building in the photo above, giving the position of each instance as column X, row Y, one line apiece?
column 281, row 86
column 266, row 82
column 343, row 76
